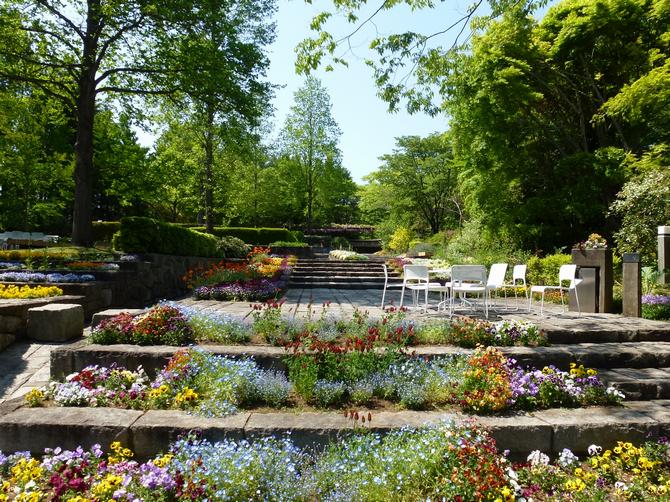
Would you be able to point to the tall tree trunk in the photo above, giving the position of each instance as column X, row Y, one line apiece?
column 83, row 147
column 209, row 161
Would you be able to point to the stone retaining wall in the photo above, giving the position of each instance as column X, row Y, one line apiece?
column 155, row 277
column 66, row 360
column 149, row 432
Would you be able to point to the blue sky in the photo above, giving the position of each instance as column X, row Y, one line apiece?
column 368, row 130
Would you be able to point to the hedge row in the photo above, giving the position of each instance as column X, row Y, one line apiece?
column 146, row 235
column 257, row 236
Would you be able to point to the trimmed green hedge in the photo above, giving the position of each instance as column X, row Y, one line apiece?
column 544, row 271
column 257, row 236
column 104, row 230
column 146, row 235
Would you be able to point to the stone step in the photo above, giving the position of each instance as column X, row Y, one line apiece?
column 325, row 284
column 341, row 278
column 639, row 383
column 348, row 263
column 614, row 356
column 340, row 272
column 149, row 432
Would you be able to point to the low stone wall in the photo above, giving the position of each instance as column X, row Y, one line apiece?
column 75, row 357
column 66, row 360
column 149, row 432
column 14, row 313
column 154, row 277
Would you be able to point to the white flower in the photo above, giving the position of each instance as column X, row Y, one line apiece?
column 567, row 458
column 594, row 449
column 536, row 458
column 611, row 391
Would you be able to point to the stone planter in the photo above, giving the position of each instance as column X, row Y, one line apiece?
column 601, row 261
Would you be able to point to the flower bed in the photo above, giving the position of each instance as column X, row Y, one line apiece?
column 259, row 278
column 485, row 382
column 344, row 255
column 161, row 325
column 439, row 462
column 359, row 331
column 656, row 307
column 40, row 277
column 23, row 292
column 410, row 464
column 626, row 472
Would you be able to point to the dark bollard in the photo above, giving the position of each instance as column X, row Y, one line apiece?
column 664, row 254
column 632, row 285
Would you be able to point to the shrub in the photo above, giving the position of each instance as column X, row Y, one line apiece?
column 255, row 236
column 400, row 240
column 545, row 270
column 288, row 244
column 232, row 247
column 340, row 243
column 104, row 230
column 146, row 235
column 421, row 249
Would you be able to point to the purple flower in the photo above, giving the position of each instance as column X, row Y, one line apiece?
column 655, row 300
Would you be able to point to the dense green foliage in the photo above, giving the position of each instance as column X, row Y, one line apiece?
column 309, row 146
column 257, row 236
column 416, row 185
column 146, row 235
column 548, row 119
column 208, row 52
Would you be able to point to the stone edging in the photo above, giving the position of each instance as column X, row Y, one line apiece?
column 66, row 360
column 149, row 432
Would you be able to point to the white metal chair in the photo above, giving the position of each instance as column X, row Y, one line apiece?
column 416, row 279
column 518, row 279
column 567, row 273
column 495, row 280
column 468, row 279
column 387, row 285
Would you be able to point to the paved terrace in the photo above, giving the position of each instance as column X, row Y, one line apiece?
column 24, row 366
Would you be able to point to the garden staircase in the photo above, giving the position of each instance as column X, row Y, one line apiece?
column 320, row 272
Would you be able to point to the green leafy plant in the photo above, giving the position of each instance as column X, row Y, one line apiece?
column 232, row 247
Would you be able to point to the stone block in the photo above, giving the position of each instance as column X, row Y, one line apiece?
column 520, row 434
column 577, row 429
column 98, row 317
column 6, row 340
column 33, row 429
column 307, row 430
column 56, row 322
column 156, row 429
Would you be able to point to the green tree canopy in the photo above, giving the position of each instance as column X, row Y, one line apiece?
column 79, row 51
column 420, row 178
column 309, row 140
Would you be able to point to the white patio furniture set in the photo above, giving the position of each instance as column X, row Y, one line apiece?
column 35, row 239
column 470, row 286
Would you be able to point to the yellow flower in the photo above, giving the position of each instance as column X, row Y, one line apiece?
column 186, row 397
column 163, row 461
column 107, row 486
